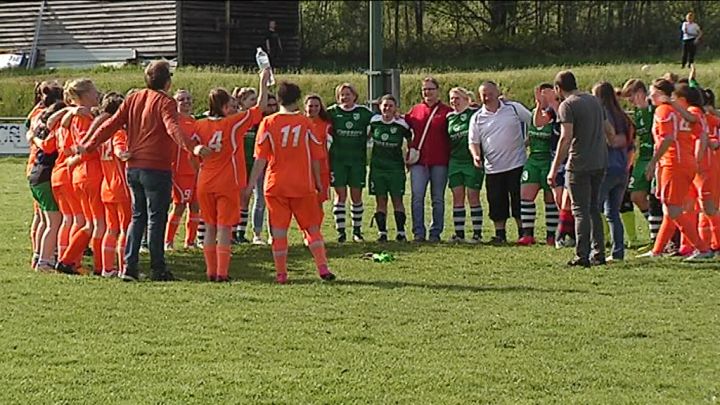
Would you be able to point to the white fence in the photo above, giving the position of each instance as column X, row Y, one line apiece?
column 12, row 136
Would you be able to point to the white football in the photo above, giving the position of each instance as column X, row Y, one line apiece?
column 645, row 68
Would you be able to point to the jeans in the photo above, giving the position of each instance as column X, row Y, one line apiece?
column 612, row 192
column 420, row 176
column 584, row 189
column 259, row 205
column 151, row 192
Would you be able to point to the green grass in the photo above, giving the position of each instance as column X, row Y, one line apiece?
column 16, row 87
column 441, row 324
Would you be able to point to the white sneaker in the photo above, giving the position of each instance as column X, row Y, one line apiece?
column 169, row 246
column 648, row 255
column 190, row 245
column 109, row 273
column 257, row 240
column 144, row 250
column 700, row 256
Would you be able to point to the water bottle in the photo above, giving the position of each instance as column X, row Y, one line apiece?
column 263, row 62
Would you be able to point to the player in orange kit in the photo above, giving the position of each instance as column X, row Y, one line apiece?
column 86, row 178
column 184, row 175
column 291, row 153
column 708, row 179
column 115, row 193
column 222, row 174
column 676, row 158
column 322, row 125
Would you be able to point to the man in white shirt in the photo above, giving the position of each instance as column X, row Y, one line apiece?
column 497, row 143
column 691, row 34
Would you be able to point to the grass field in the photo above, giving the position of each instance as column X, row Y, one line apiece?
column 441, row 324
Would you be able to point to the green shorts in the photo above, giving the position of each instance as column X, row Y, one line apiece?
column 535, row 172
column 386, row 182
column 638, row 181
column 465, row 175
column 42, row 193
column 348, row 175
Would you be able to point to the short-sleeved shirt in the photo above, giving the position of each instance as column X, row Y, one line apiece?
column 89, row 169
column 501, row 135
column 286, row 142
column 643, row 119
column 387, row 139
column 588, row 148
column 541, row 139
column 114, row 187
column 181, row 158
column 350, row 134
column 690, row 30
column 458, row 130
column 681, row 153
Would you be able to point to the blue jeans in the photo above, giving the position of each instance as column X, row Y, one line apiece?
column 259, row 205
column 151, row 192
column 612, row 191
column 420, row 176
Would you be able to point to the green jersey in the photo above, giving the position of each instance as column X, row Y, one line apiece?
column 643, row 119
column 387, row 139
column 458, row 128
column 349, row 132
column 249, row 142
column 540, row 141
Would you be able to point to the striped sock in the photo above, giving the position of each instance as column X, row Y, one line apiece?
column 655, row 217
column 527, row 217
column 476, row 216
column 357, row 214
column 242, row 226
column 339, row 214
column 459, row 221
column 201, row 232
column 552, row 218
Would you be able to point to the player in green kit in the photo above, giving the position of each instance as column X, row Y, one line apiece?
column 387, row 166
column 639, row 186
column 348, row 157
column 464, row 179
column 540, row 142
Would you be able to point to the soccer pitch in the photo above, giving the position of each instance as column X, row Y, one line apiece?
column 441, row 324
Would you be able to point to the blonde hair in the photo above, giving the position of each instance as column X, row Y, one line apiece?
column 76, row 89
column 462, row 90
column 340, row 87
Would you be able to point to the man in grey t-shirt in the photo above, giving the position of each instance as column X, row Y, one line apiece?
column 584, row 134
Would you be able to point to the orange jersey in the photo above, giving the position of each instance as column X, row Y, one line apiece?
column 713, row 128
column 61, row 174
column 288, row 144
column 667, row 122
column 182, row 165
column 321, row 129
column 114, row 187
column 223, row 170
column 89, row 169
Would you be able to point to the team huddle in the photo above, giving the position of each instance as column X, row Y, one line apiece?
column 92, row 155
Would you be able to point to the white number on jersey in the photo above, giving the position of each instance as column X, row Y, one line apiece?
column 216, row 141
column 286, row 133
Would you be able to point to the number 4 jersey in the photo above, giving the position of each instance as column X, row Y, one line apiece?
column 286, row 141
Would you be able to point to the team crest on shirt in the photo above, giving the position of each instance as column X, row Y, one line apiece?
column 356, row 116
column 348, row 125
column 393, row 130
column 457, row 128
column 385, row 136
column 463, row 117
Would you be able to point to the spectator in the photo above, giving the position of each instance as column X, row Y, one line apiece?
column 428, row 123
column 273, row 44
column 614, row 185
column 497, row 142
column 151, row 118
column 691, row 34
column 584, row 135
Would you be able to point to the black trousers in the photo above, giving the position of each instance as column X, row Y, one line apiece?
column 688, row 52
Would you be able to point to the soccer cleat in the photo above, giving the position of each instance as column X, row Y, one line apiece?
column 457, row 239
column 342, row 237
column 88, row 252
column 258, row 240
column 357, row 237
column 401, row 237
column 109, row 273
column 577, row 262
column 382, row 238
column 281, row 278
column 526, row 240
column 497, row 241
column 700, row 256
column 240, row 240
column 163, row 276
column 65, row 268
column 44, row 267
column 550, row 241
column 328, row 276
column 477, row 237
column 648, row 255
column 169, row 247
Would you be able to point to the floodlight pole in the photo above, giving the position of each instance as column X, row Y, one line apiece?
column 376, row 50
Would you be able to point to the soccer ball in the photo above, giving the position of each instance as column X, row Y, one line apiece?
column 645, row 68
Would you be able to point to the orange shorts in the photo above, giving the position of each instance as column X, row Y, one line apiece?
column 220, row 209
column 90, row 199
column 676, row 185
column 707, row 187
column 117, row 216
column 306, row 211
column 68, row 201
column 184, row 189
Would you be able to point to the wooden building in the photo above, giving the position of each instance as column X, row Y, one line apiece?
column 193, row 32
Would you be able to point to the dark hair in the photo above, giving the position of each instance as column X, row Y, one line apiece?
column 632, row 86
column 42, row 131
column 544, row 86
column 218, row 98
column 288, row 93
column 605, row 92
column 694, row 97
column 111, row 102
column 323, row 114
column 709, row 97
column 565, row 80
column 50, row 93
column 157, row 75
column 684, row 80
column 388, row 97
column 664, row 86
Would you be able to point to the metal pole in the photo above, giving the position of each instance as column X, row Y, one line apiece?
column 36, row 37
column 376, row 49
